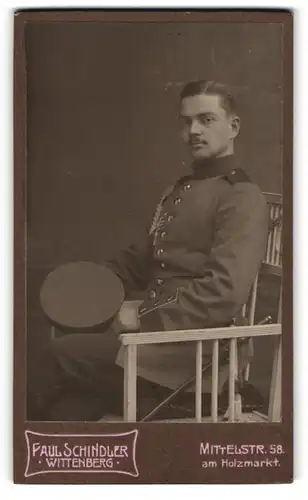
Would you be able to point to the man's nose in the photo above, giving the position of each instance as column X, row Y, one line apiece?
column 195, row 128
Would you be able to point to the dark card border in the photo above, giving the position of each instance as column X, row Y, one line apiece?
column 166, row 441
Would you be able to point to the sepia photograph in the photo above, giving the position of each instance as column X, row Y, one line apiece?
column 104, row 153
column 153, row 195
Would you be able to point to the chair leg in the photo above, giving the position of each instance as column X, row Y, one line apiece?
column 198, row 387
column 274, row 411
column 215, row 372
column 130, row 383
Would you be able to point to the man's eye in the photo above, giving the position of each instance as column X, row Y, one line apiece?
column 207, row 119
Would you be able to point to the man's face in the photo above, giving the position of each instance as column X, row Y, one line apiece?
column 207, row 128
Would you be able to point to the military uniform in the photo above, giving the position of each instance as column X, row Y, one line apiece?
column 198, row 262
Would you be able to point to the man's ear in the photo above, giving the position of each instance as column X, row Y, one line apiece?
column 235, row 124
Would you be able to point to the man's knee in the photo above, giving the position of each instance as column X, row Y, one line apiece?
column 85, row 353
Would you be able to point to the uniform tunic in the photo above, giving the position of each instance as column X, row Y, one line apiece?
column 197, row 262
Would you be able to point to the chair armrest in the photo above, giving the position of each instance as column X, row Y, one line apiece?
column 165, row 337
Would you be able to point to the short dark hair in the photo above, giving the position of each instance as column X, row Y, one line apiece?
column 211, row 87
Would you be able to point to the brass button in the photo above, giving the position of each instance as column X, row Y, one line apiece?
column 170, row 218
column 159, row 281
column 187, row 187
column 152, row 294
column 159, row 251
column 162, row 265
column 177, row 201
column 233, row 172
column 163, row 234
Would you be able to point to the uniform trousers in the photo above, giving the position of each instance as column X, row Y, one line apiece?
column 89, row 384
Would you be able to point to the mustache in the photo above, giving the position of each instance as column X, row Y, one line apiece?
column 194, row 140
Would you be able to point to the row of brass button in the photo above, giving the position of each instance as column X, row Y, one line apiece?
column 170, row 218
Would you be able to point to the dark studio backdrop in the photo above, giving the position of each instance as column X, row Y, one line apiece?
column 103, row 139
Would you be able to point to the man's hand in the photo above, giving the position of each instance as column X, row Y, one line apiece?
column 127, row 318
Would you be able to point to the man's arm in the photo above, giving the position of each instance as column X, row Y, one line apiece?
column 133, row 264
column 237, row 251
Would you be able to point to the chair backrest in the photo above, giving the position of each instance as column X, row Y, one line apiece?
column 273, row 255
column 272, row 263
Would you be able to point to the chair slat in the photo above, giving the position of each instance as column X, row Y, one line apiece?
column 253, row 300
column 271, row 246
column 275, row 232
column 215, row 367
column 198, row 391
column 278, row 241
column 268, row 247
column 232, row 376
column 280, row 253
column 130, row 382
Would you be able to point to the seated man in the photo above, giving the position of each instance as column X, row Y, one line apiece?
column 197, row 264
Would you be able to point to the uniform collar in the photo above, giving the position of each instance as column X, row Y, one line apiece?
column 213, row 167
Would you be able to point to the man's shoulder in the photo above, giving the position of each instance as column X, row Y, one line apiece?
column 234, row 184
column 241, row 188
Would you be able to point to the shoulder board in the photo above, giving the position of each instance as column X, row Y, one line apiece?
column 237, row 175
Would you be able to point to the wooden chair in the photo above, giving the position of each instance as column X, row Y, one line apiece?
column 271, row 265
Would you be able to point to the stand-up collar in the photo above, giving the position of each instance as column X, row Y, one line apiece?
column 213, row 167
